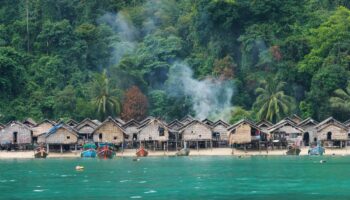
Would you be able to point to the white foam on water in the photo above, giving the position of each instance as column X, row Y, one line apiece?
column 150, row 191
column 64, row 175
column 3, row 181
column 38, row 190
column 38, row 186
column 197, row 188
column 123, row 181
column 253, row 192
column 85, row 181
column 135, row 197
column 12, row 180
column 108, row 181
column 142, row 181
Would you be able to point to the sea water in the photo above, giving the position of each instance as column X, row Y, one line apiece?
column 288, row 177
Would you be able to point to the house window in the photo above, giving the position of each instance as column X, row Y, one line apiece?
column 100, row 136
column 115, row 137
column 68, row 137
column 161, row 131
column 348, row 135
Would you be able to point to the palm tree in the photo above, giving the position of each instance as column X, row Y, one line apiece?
column 272, row 103
column 341, row 99
column 105, row 99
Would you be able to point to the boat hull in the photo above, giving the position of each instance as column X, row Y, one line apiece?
column 293, row 152
column 90, row 153
column 42, row 154
column 183, row 152
column 316, row 151
column 141, row 153
column 106, row 154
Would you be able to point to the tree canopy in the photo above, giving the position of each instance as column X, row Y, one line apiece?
column 77, row 59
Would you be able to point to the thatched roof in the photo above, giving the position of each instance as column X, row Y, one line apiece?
column 87, row 126
column 308, row 121
column 11, row 123
column 146, row 120
column 264, row 123
column 71, row 122
column 221, row 122
column 109, row 119
column 131, row 122
column 29, row 122
column 295, row 118
column 187, row 119
column 330, row 120
column 119, row 121
column 208, row 122
column 54, row 129
column 1, row 126
column 285, row 123
column 175, row 125
column 43, row 127
column 243, row 121
column 347, row 123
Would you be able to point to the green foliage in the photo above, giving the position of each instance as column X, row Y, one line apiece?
column 239, row 113
column 49, row 61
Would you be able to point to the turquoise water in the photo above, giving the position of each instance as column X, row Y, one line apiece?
column 177, row 178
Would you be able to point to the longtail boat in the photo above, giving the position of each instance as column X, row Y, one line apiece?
column 316, row 151
column 89, row 151
column 183, row 152
column 40, row 152
column 293, row 150
column 105, row 151
column 141, row 152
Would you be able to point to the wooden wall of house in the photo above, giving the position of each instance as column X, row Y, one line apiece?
column 41, row 128
column 111, row 133
column 338, row 133
column 242, row 135
column 197, row 131
column 41, row 139
column 130, row 130
column 62, row 136
column 24, row 134
column 310, row 128
column 222, row 130
column 151, row 130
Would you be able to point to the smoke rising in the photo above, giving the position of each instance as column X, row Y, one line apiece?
column 211, row 97
column 125, row 32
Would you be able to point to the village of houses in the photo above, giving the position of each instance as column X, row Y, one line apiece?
column 203, row 137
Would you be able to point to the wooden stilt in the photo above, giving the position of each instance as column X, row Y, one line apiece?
column 48, row 148
column 61, row 148
column 154, row 145
column 197, row 145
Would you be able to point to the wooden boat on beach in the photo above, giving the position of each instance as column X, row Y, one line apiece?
column 293, row 150
column 106, row 151
column 40, row 152
column 316, row 151
column 89, row 151
column 141, row 152
column 183, row 152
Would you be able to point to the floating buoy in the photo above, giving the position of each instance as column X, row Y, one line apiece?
column 322, row 161
column 79, row 167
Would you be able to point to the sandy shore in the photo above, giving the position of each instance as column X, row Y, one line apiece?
column 202, row 152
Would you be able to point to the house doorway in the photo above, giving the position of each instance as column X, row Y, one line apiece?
column 15, row 137
column 306, row 139
column 329, row 136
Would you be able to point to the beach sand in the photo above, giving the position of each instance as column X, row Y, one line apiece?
column 194, row 152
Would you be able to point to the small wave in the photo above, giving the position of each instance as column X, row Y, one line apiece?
column 150, row 191
column 38, row 190
column 123, row 181
column 136, row 197
column 12, row 180
column 3, row 181
column 64, row 175
column 142, row 181
column 38, row 186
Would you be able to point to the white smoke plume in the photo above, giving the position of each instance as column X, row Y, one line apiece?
column 125, row 32
column 211, row 97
